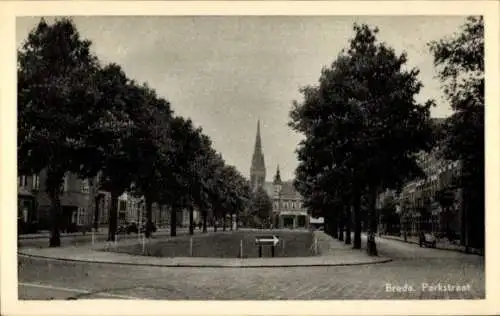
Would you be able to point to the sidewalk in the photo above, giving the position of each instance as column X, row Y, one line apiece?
column 334, row 253
column 442, row 244
column 46, row 234
column 103, row 231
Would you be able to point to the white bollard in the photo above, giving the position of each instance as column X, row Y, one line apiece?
column 93, row 238
column 191, row 247
column 241, row 249
column 315, row 245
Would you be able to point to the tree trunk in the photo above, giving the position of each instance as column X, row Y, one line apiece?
column 231, row 223
column 113, row 212
column 371, row 246
column 159, row 215
column 149, row 216
column 236, row 219
column 205, row 218
column 191, row 220
column 55, row 235
column 90, row 205
column 334, row 223
column 224, row 221
column 340, row 227
column 173, row 221
column 215, row 223
column 347, row 223
column 463, row 220
column 97, row 200
column 356, row 207
column 53, row 184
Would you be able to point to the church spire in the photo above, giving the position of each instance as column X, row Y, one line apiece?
column 277, row 177
column 258, row 142
column 258, row 168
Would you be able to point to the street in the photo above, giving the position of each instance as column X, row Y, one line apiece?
column 411, row 269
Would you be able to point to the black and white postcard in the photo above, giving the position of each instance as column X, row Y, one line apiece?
column 250, row 158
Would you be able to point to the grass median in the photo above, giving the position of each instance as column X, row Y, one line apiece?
column 225, row 245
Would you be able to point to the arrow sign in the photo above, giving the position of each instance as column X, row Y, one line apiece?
column 267, row 240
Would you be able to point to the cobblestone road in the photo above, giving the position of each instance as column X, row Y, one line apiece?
column 412, row 267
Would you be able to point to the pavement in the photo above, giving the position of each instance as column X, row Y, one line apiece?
column 442, row 243
column 102, row 231
column 413, row 273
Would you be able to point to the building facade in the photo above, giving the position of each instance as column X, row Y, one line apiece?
column 132, row 209
column 418, row 204
column 78, row 206
column 288, row 210
column 34, row 204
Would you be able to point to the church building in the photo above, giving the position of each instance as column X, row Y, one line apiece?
column 288, row 211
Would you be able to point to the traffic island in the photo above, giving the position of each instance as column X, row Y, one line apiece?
column 317, row 252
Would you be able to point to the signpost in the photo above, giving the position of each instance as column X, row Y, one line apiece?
column 267, row 241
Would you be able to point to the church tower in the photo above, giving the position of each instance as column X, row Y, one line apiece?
column 258, row 168
column 277, row 183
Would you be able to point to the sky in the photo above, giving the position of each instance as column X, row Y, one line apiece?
column 225, row 73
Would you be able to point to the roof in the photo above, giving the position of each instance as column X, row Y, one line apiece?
column 287, row 190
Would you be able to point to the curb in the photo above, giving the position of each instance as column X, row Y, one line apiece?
column 25, row 237
column 385, row 260
column 437, row 247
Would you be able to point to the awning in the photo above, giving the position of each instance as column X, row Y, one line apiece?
column 316, row 220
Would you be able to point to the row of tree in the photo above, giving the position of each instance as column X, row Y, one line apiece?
column 77, row 115
column 363, row 129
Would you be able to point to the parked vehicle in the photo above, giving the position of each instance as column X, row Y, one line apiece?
column 153, row 227
column 128, row 228
column 427, row 240
column 132, row 228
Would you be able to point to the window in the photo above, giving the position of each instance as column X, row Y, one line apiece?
column 81, row 214
column 84, row 186
column 22, row 181
column 36, row 182
column 123, row 206
column 64, row 184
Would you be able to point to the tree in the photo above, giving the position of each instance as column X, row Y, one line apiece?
column 395, row 127
column 202, row 182
column 460, row 63
column 446, row 199
column 260, row 208
column 151, row 152
column 56, row 100
column 177, row 171
column 364, row 126
column 388, row 215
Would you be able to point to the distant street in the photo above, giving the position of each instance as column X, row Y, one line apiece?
column 412, row 266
